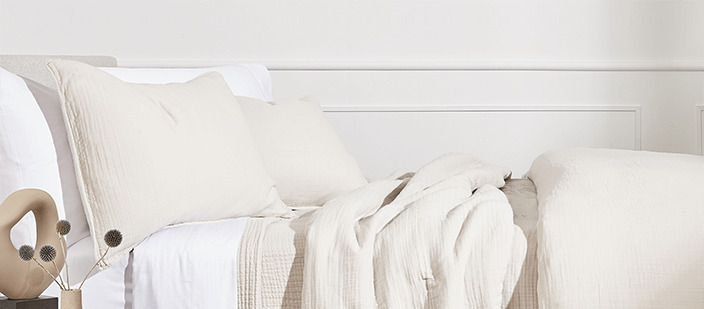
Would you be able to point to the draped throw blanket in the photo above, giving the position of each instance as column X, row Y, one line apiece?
column 440, row 238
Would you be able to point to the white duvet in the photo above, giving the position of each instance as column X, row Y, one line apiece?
column 443, row 238
column 620, row 229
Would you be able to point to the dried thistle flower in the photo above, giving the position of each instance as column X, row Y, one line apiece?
column 47, row 253
column 26, row 253
column 63, row 227
column 113, row 238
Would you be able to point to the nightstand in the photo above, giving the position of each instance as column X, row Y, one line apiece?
column 41, row 302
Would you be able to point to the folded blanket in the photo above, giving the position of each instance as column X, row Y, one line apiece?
column 620, row 229
column 521, row 195
column 442, row 239
column 271, row 262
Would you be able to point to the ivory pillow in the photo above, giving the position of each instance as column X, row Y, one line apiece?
column 149, row 155
column 301, row 150
column 251, row 79
column 27, row 156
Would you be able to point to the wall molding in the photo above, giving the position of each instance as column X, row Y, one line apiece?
column 700, row 129
column 439, row 65
column 479, row 108
column 635, row 109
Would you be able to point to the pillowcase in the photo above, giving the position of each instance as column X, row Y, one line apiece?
column 244, row 79
column 249, row 80
column 151, row 155
column 301, row 150
column 27, row 156
column 50, row 104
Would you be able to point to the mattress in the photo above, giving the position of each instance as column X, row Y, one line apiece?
column 170, row 257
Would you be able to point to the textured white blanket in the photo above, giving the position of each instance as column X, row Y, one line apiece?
column 620, row 229
column 443, row 238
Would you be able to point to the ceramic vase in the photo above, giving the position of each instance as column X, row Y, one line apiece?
column 71, row 299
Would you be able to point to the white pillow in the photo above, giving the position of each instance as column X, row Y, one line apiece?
column 301, row 150
column 153, row 155
column 50, row 104
column 249, row 80
column 27, row 156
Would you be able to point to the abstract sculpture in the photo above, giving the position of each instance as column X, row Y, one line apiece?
column 20, row 279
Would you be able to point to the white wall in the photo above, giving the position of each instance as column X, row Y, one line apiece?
column 401, row 55
column 194, row 30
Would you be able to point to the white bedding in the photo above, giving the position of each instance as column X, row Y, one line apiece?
column 272, row 252
column 188, row 266
column 617, row 229
column 167, row 270
column 446, row 240
column 275, row 249
column 620, row 229
column 521, row 194
column 338, row 241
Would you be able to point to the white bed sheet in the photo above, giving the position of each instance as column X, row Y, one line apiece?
column 177, row 266
column 161, row 270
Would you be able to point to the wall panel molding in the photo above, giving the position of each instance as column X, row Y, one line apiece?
column 385, row 138
column 634, row 110
column 429, row 65
column 700, row 129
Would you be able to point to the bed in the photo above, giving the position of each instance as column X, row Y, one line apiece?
column 585, row 228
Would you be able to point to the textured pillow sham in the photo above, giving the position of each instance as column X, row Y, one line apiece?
column 149, row 155
column 301, row 150
column 27, row 156
column 251, row 80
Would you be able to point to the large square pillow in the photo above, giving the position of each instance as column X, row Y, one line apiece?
column 251, row 80
column 301, row 150
column 27, row 156
column 153, row 155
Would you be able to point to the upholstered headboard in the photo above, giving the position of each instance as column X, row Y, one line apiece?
column 33, row 66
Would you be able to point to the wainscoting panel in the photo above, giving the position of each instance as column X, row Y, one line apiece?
column 384, row 139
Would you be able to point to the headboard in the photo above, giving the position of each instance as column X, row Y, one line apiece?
column 34, row 66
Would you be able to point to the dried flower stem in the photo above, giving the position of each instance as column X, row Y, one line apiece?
column 62, row 240
column 63, row 285
column 52, row 276
column 91, row 269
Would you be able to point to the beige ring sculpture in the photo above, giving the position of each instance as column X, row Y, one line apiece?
column 25, row 279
